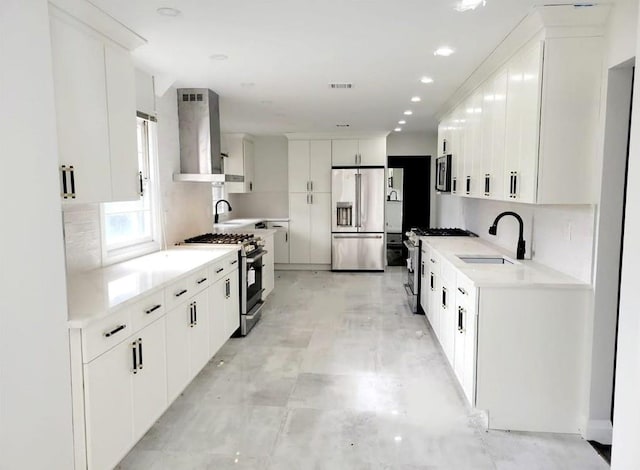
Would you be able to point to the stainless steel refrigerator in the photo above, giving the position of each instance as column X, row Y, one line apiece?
column 357, row 239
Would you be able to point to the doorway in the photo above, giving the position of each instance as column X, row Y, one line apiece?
column 408, row 202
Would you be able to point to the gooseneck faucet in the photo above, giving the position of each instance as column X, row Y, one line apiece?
column 493, row 230
column 216, row 217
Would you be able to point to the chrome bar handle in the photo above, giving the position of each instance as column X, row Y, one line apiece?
column 358, row 200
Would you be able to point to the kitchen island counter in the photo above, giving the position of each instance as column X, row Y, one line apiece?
column 96, row 294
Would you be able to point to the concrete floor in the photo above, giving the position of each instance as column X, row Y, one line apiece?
column 339, row 375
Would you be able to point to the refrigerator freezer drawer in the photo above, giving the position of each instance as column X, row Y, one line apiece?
column 357, row 252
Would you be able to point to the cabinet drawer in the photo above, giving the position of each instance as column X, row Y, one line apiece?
column 232, row 262
column 465, row 292
column 199, row 281
column 147, row 310
column 218, row 270
column 178, row 292
column 433, row 262
column 105, row 334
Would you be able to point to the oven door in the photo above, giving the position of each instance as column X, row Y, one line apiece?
column 252, row 282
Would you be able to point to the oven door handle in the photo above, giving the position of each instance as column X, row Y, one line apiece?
column 257, row 257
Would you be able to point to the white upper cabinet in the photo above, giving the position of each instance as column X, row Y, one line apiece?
column 121, row 103
column 309, row 166
column 298, row 166
column 344, row 153
column 94, row 88
column 320, row 166
column 527, row 133
column 523, row 118
column 363, row 152
column 240, row 161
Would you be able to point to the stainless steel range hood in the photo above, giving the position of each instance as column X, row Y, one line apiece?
column 201, row 160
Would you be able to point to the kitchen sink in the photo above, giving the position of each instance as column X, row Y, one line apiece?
column 479, row 259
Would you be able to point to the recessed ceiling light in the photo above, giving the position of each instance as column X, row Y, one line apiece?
column 464, row 5
column 408, row 112
column 218, row 57
column 166, row 11
column 426, row 80
column 416, row 99
column 402, row 122
column 398, row 129
column 444, row 51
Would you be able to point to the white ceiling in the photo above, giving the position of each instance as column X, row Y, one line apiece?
column 290, row 50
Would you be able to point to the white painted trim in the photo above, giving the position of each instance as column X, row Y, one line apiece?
column 599, row 430
column 100, row 21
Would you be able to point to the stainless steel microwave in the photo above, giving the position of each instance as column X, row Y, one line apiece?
column 443, row 174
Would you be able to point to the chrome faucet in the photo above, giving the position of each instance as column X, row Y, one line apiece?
column 493, row 230
column 216, row 217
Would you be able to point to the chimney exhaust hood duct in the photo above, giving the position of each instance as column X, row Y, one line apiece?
column 199, row 127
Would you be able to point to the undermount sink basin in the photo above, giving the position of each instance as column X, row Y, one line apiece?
column 473, row 259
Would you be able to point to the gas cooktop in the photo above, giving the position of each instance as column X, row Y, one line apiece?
column 443, row 232
column 222, row 238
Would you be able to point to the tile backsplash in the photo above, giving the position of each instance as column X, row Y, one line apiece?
column 82, row 239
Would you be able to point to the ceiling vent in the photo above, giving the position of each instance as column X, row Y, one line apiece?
column 340, row 86
column 343, row 125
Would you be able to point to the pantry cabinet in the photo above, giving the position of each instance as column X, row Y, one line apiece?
column 310, row 166
column 527, row 133
column 362, row 152
column 94, row 89
column 240, row 161
column 310, row 228
column 309, row 235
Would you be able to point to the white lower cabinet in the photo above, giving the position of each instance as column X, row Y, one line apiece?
column 510, row 344
column 231, row 305
column 268, row 267
column 125, row 391
column 128, row 367
column 109, row 406
column 280, row 241
column 217, row 325
column 187, row 342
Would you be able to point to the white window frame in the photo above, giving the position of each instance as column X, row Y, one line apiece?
column 139, row 248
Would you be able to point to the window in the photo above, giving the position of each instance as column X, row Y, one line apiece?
column 131, row 228
column 218, row 193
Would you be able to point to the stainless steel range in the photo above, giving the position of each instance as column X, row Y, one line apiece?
column 250, row 272
column 412, row 285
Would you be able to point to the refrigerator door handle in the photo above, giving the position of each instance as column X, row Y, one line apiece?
column 358, row 199
column 357, row 236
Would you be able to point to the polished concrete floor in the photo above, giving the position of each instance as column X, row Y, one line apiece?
column 339, row 375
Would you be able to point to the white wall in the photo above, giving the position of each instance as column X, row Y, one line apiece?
column 35, row 391
column 412, row 143
column 626, row 430
column 270, row 197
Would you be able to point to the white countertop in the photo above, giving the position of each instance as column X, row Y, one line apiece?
column 244, row 223
column 95, row 294
column 523, row 273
